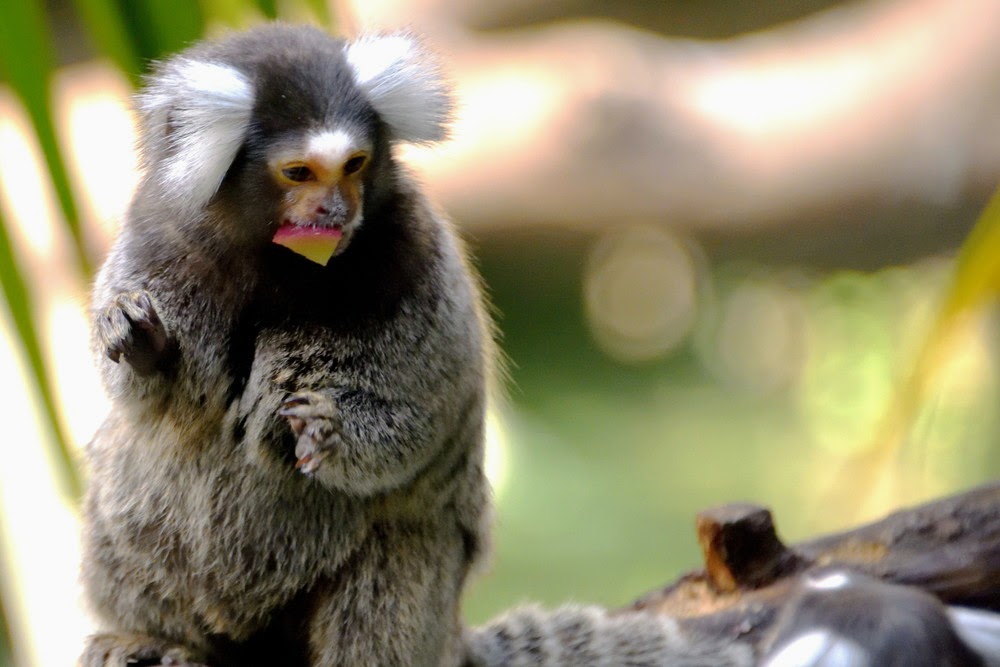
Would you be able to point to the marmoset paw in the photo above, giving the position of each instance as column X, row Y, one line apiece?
column 131, row 328
column 315, row 420
column 109, row 650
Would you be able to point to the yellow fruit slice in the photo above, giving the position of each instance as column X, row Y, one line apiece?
column 314, row 243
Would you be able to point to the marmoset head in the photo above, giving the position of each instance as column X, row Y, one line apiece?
column 286, row 131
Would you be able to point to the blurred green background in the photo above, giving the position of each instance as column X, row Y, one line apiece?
column 657, row 366
column 610, row 461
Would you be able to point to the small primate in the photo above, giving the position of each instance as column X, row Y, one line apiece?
column 298, row 359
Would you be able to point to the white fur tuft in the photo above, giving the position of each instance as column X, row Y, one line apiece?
column 829, row 582
column 330, row 146
column 980, row 630
column 196, row 116
column 404, row 84
column 819, row 648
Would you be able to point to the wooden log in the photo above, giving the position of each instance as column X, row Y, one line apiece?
column 948, row 547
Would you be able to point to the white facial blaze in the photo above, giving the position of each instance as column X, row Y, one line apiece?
column 404, row 85
column 331, row 148
column 202, row 109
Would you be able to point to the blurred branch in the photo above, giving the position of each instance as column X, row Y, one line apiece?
column 825, row 119
column 949, row 547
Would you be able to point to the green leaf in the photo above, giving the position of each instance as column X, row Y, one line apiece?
column 227, row 12
column 26, row 60
column 322, row 11
column 6, row 652
column 106, row 26
column 309, row 11
column 268, row 8
column 162, row 27
column 6, row 645
column 20, row 307
column 977, row 271
column 975, row 282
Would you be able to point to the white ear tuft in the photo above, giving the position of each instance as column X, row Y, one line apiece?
column 404, row 84
column 196, row 115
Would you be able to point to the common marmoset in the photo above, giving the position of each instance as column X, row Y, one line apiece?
column 292, row 471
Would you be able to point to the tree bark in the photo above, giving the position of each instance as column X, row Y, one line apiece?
column 949, row 547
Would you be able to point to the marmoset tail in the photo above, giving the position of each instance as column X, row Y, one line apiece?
column 298, row 359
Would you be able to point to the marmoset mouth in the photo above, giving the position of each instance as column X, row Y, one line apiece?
column 315, row 243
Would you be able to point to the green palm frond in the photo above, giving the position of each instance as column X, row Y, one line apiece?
column 975, row 282
column 19, row 305
column 27, row 62
column 6, row 648
column 110, row 35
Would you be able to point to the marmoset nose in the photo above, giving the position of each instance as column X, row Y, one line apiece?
column 333, row 208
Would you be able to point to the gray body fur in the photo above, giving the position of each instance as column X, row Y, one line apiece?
column 200, row 534
column 199, row 527
column 228, row 357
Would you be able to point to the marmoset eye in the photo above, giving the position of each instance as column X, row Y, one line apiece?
column 355, row 164
column 299, row 173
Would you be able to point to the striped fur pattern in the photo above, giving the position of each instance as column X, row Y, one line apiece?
column 588, row 636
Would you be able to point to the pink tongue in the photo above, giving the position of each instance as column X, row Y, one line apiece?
column 315, row 243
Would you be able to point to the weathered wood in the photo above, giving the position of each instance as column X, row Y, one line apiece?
column 741, row 547
column 948, row 547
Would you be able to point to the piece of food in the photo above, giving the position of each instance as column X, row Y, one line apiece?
column 314, row 243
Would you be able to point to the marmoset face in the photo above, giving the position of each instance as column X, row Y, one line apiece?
column 310, row 154
column 320, row 178
column 292, row 148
